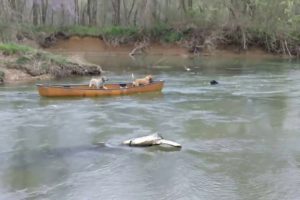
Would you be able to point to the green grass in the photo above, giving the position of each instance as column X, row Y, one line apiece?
column 12, row 48
column 172, row 37
column 23, row 60
column 82, row 30
column 118, row 31
column 158, row 30
column 165, row 33
column 39, row 29
column 76, row 30
column 55, row 59
column 27, row 53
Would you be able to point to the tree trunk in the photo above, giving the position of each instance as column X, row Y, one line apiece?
column 103, row 12
column 190, row 5
column 20, row 10
column 35, row 13
column 52, row 16
column 182, row 2
column 76, row 11
column 135, row 17
column 83, row 13
column 166, row 10
column 63, row 14
column 244, row 40
column 117, row 15
column 128, row 13
column 92, row 12
column 89, row 12
column 149, row 13
column 13, row 4
column 44, row 11
column 13, row 7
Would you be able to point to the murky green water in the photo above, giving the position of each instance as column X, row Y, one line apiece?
column 240, row 139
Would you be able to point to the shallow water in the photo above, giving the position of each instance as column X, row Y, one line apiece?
column 240, row 138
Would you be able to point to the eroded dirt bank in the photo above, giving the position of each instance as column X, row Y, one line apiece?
column 95, row 44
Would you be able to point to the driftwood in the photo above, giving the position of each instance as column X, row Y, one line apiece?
column 2, row 74
column 150, row 140
column 139, row 49
column 298, row 51
column 287, row 48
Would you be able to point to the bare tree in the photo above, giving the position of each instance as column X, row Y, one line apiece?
column 117, row 12
column 190, row 4
column 44, row 4
column 183, row 6
column 76, row 12
column 126, row 12
column 92, row 12
column 35, row 12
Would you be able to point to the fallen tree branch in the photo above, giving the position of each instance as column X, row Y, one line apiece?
column 287, row 48
column 141, row 48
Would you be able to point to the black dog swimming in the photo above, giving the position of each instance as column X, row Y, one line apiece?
column 214, row 82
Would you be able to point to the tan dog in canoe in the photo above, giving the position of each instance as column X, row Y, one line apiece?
column 98, row 82
column 143, row 81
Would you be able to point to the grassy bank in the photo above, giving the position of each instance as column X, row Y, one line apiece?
column 194, row 39
column 36, row 63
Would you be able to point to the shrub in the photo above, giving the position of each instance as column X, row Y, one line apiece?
column 118, row 31
column 12, row 48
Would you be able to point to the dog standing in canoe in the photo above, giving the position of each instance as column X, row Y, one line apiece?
column 98, row 82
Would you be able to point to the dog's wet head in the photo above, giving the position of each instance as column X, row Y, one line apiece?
column 214, row 82
column 149, row 78
column 103, row 78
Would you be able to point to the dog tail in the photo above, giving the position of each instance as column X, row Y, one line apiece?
column 132, row 76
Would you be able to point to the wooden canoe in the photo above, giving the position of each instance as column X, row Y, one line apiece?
column 83, row 90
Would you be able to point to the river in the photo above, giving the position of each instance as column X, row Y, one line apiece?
column 240, row 138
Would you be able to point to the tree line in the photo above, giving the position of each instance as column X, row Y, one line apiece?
column 273, row 24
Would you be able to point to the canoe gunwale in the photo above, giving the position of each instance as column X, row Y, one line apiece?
column 82, row 90
column 69, row 86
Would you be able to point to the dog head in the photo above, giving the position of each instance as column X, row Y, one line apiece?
column 149, row 78
column 214, row 82
column 103, row 78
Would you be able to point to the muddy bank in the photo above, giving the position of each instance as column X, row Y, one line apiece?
column 94, row 44
column 39, row 65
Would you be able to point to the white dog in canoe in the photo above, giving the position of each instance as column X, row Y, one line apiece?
column 98, row 82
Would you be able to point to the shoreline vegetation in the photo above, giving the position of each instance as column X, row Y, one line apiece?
column 23, row 63
column 196, row 40
column 196, row 27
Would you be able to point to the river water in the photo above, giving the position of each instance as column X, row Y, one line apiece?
column 240, row 138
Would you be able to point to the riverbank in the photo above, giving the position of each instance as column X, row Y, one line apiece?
column 24, row 63
column 189, row 39
column 78, row 44
column 34, row 57
column 19, row 63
